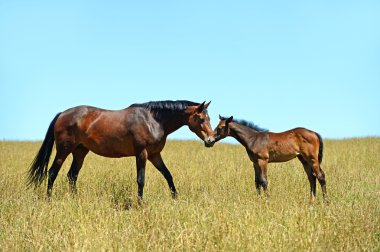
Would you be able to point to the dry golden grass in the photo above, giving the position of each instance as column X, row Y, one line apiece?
column 217, row 208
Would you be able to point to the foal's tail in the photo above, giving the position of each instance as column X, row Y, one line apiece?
column 320, row 152
column 39, row 166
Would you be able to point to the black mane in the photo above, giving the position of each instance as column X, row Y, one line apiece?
column 179, row 105
column 160, row 107
column 247, row 124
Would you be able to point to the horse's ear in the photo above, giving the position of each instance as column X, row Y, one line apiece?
column 229, row 120
column 220, row 117
column 201, row 107
column 207, row 104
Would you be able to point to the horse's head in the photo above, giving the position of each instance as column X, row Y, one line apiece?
column 222, row 130
column 199, row 122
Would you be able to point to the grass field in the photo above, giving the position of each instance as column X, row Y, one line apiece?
column 217, row 208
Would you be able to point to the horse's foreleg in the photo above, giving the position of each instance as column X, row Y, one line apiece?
column 140, row 165
column 257, row 178
column 157, row 161
column 264, row 175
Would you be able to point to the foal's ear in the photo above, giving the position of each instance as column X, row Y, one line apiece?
column 201, row 107
column 229, row 120
column 220, row 117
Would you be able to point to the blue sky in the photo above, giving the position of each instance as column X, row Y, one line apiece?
column 280, row 64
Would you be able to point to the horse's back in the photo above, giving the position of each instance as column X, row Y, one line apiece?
column 292, row 133
column 111, row 133
column 286, row 145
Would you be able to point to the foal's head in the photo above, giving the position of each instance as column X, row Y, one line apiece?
column 222, row 130
column 199, row 122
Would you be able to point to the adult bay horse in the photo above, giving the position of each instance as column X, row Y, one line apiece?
column 265, row 147
column 139, row 130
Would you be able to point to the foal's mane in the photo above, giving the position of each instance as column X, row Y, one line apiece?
column 160, row 107
column 247, row 124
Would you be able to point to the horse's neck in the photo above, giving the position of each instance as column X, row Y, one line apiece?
column 173, row 122
column 242, row 134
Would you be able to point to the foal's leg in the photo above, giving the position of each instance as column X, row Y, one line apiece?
column 257, row 177
column 157, row 161
column 312, row 179
column 320, row 175
column 322, row 182
column 263, row 175
column 140, row 165
column 79, row 154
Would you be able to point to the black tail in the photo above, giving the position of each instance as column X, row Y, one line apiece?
column 320, row 152
column 38, row 169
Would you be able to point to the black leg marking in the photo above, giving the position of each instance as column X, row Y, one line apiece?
column 160, row 165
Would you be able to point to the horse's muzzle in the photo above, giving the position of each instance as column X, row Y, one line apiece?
column 209, row 143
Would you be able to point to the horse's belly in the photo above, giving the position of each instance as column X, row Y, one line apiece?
column 275, row 157
column 110, row 148
column 112, row 153
column 119, row 140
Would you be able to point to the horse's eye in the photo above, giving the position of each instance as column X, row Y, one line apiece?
column 201, row 120
column 218, row 131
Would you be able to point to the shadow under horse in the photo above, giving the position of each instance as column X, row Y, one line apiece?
column 265, row 147
column 139, row 130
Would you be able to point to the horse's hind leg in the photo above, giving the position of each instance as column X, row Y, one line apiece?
column 63, row 150
column 317, row 172
column 322, row 182
column 140, row 165
column 79, row 154
column 312, row 179
column 320, row 176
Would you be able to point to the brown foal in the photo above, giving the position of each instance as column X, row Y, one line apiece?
column 265, row 147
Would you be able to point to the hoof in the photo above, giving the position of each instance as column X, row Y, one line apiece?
column 174, row 195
